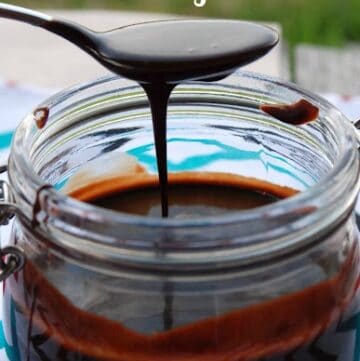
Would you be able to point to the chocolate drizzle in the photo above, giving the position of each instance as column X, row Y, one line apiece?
column 158, row 95
column 41, row 116
column 298, row 113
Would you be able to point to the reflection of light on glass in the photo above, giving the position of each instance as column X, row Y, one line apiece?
column 199, row 3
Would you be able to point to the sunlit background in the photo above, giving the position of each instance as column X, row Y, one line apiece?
column 320, row 38
column 326, row 22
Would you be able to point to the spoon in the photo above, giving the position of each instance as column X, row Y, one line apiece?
column 169, row 51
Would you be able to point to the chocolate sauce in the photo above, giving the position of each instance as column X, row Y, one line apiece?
column 302, row 325
column 186, row 200
column 41, row 116
column 158, row 95
column 298, row 113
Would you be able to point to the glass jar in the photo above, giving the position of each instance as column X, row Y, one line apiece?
column 278, row 282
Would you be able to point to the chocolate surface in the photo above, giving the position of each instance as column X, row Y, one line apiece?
column 187, row 199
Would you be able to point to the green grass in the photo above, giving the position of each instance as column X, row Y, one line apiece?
column 327, row 22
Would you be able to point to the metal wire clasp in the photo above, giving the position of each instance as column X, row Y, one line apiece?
column 7, row 210
column 12, row 258
column 356, row 123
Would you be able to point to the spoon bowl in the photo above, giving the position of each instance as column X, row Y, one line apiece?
column 169, row 51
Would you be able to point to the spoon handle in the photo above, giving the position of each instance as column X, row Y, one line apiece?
column 22, row 14
column 75, row 33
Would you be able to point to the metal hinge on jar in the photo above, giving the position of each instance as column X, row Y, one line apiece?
column 356, row 123
column 12, row 258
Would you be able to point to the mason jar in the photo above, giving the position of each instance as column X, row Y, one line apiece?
column 278, row 282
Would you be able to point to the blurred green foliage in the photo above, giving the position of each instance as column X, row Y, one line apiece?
column 327, row 22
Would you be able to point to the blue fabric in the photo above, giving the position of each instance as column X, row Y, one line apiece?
column 5, row 140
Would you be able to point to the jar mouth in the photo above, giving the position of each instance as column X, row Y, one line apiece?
column 323, row 203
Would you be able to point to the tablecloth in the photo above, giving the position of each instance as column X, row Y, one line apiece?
column 17, row 100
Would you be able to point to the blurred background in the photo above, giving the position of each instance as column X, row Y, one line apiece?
column 325, row 22
column 318, row 35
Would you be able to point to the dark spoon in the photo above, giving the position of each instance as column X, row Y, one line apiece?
column 171, row 51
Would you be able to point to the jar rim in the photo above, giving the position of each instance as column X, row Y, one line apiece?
column 313, row 198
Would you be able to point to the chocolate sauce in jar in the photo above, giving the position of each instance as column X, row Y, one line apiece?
column 190, row 196
column 301, row 325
